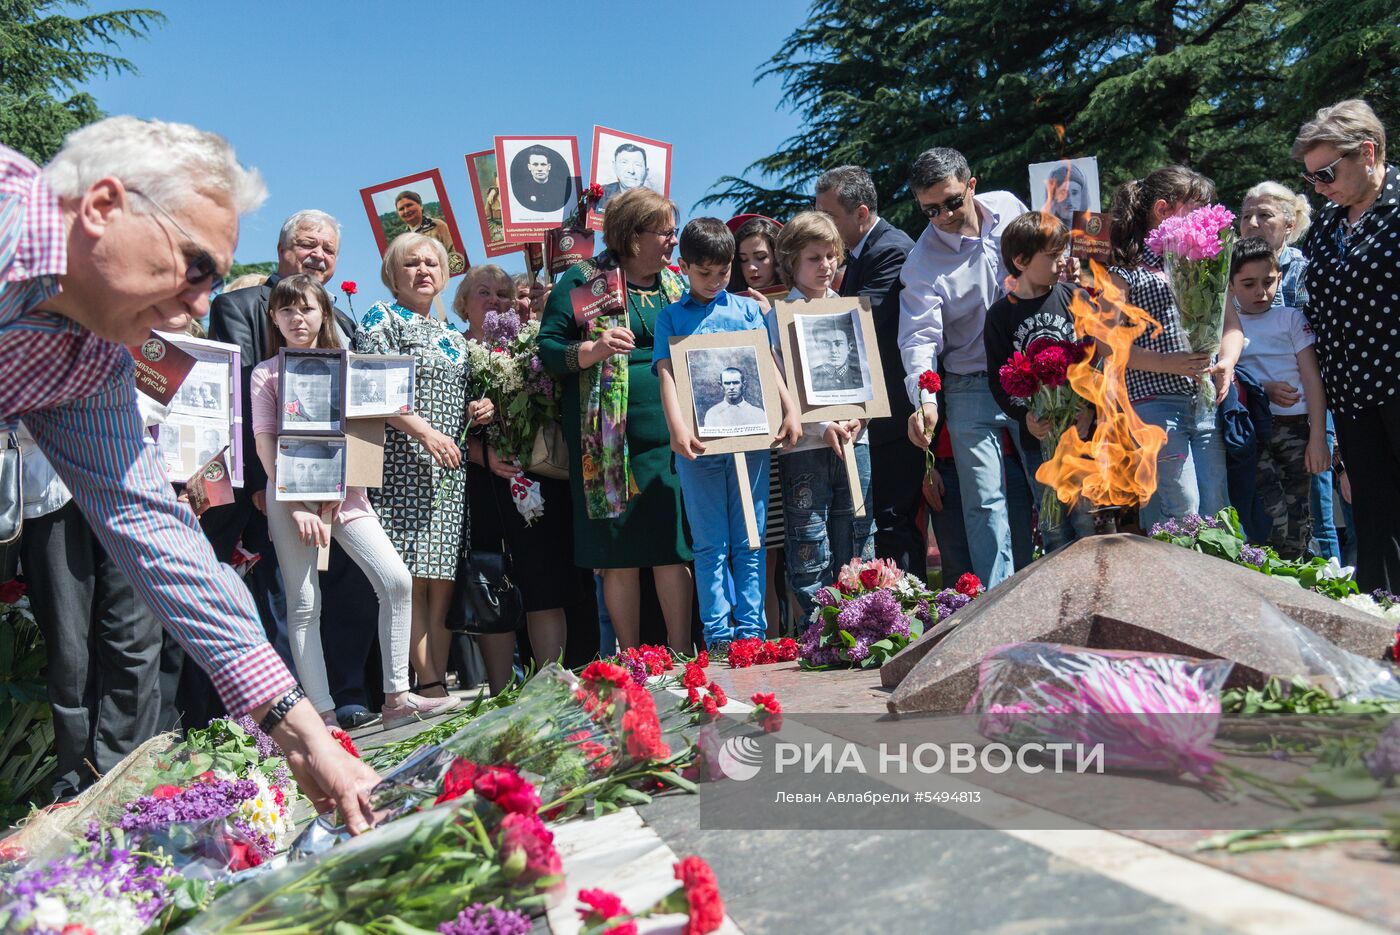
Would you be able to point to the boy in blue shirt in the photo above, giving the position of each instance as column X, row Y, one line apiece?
column 724, row 563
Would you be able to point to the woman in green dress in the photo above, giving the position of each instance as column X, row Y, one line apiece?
column 627, row 501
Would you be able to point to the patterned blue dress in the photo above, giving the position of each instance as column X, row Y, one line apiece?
column 421, row 505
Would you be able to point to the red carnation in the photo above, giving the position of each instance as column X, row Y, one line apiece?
column 598, row 672
column 710, row 706
column 703, row 659
column 969, row 584
column 930, row 381
column 1017, row 377
column 345, row 742
column 595, row 193
column 598, row 906
column 527, row 848
column 786, row 650
column 349, row 288
column 457, row 781
column 1050, row 365
column 692, row 696
column 11, row 591
column 640, row 727
column 694, row 676
column 504, row 786
column 706, row 909
column 718, row 693
column 767, row 711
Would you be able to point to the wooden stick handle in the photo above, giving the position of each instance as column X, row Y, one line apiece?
column 741, row 471
column 848, row 450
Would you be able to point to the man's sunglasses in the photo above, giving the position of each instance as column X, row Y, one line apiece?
column 948, row 207
column 202, row 266
column 1327, row 174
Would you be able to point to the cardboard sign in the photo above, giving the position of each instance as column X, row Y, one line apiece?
column 161, row 367
column 566, row 246
column 1089, row 237
column 210, row 486
column 601, row 295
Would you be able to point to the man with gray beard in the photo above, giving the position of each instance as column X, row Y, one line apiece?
column 309, row 243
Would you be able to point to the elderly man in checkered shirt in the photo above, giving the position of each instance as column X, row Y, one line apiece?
column 129, row 229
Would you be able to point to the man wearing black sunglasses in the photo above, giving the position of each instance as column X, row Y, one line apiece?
column 123, row 232
column 952, row 276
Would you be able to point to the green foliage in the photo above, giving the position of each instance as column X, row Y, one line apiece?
column 393, row 225
column 1221, row 85
column 265, row 268
column 26, row 720
column 1298, row 697
column 45, row 56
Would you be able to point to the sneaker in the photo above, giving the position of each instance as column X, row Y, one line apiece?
column 417, row 708
column 355, row 716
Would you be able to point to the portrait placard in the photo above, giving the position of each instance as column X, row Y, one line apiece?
column 205, row 414
column 380, row 385
column 539, row 184
column 311, row 468
column 1067, row 185
column 415, row 203
column 727, row 384
column 311, row 391
column 811, row 334
column 486, row 192
column 623, row 161
column 210, row 486
column 1091, row 237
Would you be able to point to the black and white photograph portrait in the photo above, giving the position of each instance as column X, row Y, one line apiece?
column 202, row 393
column 624, row 161
column 379, row 385
column 727, row 392
column 1067, row 185
column 539, row 186
column 835, row 368
column 312, row 391
column 311, row 468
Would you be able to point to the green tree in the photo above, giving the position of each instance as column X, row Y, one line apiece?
column 1221, row 85
column 45, row 57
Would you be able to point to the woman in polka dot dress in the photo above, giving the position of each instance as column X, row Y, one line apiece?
column 1353, row 283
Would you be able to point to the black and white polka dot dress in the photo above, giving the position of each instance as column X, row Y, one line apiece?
column 1353, row 281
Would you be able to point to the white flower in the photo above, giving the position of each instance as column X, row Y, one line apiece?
column 49, row 913
column 1364, row 603
column 1335, row 569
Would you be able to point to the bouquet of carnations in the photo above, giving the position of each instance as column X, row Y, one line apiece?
column 872, row 612
column 1039, row 380
column 1195, row 251
column 1149, row 711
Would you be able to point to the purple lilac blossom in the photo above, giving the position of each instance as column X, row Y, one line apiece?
column 267, row 747
column 479, row 919
column 85, row 876
column 500, row 328
column 199, row 802
column 1253, row 555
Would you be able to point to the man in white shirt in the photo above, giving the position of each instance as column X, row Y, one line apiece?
column 952, row 276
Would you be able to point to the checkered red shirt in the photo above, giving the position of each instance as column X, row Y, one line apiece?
column 76, row 395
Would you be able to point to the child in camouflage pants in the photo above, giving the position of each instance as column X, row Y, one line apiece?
column 1279, row 354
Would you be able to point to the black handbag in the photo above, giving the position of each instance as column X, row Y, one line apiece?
column 11, row 506
column 487, row 600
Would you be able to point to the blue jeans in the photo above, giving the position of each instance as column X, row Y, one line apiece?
column 1074, row 524
column 607, row 637
column 823, row 532
column 725, row 564
column 1324, row 530
column 1190, row 466
column 975, row 425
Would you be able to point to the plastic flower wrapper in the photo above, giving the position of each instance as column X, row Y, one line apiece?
column 505, row 366
column 407, row 872
column 1195, row 251
column 1151, row 712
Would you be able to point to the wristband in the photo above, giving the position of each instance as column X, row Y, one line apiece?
column 280, row 709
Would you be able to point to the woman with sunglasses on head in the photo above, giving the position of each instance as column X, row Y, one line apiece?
column 1162, row 368
column 1354, row 307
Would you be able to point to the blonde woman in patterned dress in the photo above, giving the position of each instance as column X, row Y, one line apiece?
column 421, row 502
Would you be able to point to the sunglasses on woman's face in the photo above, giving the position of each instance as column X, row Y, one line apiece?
column 1326, row 175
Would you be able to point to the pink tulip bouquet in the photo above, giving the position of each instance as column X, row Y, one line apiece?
column 1195, row 251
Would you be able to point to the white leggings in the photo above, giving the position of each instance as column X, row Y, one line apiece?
column 365, row 542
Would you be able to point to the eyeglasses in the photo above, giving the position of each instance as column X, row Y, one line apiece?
column 1327, row 174
column 948, row 207
column 671, row 234
column 202, row 267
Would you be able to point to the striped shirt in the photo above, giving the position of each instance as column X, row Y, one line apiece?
column 76, row 395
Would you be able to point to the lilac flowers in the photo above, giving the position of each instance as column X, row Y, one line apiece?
column 114, row 892
column 479, row 919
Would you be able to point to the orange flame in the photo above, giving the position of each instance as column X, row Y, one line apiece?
column 1117, row 466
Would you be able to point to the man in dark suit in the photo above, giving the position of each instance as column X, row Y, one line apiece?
column 309, row 243
column 877, row 252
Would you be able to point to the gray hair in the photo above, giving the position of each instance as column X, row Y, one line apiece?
column 167, row 162
column 853, row 187
column 936, row 164
column 522, row 279
column 1290, row 202
column 1346, row 125
column 403, row 245
column 475, row 275
column 308, row 218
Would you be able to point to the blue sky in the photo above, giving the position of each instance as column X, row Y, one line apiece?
column 326, row 98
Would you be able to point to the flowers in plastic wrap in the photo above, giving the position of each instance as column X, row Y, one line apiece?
column 1149, row 712
column 505, row 365
column 1195, row 251
column 872, row 612
column 96, row 890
